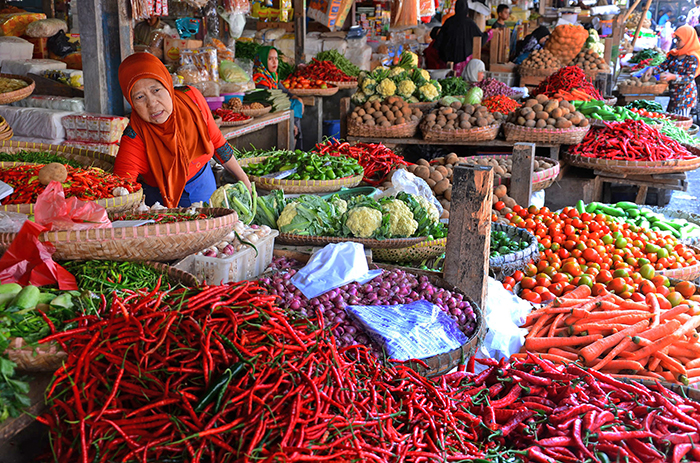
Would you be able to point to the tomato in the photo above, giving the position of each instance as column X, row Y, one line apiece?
column 561, row 277
column 646, row 287
column 518, row 275
column 533, row 297
column 637, row 297
column 663, row 290
column 586, row 280
column 557, row 288
column 508, row 287
column 591, row 255
column 528, row 283
column 572, row 268
column 686, row 288
column 647, row 271
column 661, row 280
column 543, row 280
column 617, row 285
column 675, row 298
column 531, row 270
column 499, row 205
column 547, row 296
column 598, row 289
column 604, row 276
column 540, row 289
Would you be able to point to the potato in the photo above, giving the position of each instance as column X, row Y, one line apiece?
column 441, row 186
column 452, row 158
column 437, row 176
column 542, row 99
column 482, row 122
column 442, row 169
column 509, row 202
column 538, row 107
column 53, row 171
column 520, row 120
column 541, row 123
column 431, row 182
column 530, row 103
column 542, row 115
column 531, row 124
column 423, row 162
column 557, row 113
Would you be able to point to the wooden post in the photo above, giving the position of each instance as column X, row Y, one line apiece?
column 480, row 20
column 607, row 56
column 299, row 31
column 476, row 48
column 521, row 179
column 92, row 36
column 469, row 236
column 624, row 17
column 639, row 26
column 126, row 29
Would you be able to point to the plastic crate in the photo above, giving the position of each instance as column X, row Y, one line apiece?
column 244, row 265
column 507, row 78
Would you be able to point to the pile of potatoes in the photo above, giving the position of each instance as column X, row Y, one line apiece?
column 392, row 111
column 458, row 116
column 588, row 60
column 500, row 193
column 541, row 59
column 439, row 177
column 543, row 113
column 503, row 167
column 640, row 82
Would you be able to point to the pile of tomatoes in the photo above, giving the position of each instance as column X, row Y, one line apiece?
column 294, row 82
column 649, row 114
column 594, row 250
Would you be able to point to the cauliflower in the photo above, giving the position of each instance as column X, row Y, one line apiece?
column 437, row 85
column 429, row 207
column 408, row 59
column 413, row 99
column 428, row 92
column 397, row 71
column 359, row 97
column 368, row 86
column 401, row 222
column 386, row 88
column 374, row 98
column 363, row 221
column 287, row 215
column 341, row 206
column 406, row 88
column 420, row 76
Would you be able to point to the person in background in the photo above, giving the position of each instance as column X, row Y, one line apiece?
column 171, row 137
column 665, row 17
column 475, row 71
column 680, row 69
column 265, row 75
column 431, row 53
column 693, row 15
column 530, row 43
column 502, row 15
column 456, row 38
column 142, row 30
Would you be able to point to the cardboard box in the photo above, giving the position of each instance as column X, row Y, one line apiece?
column 172, row 47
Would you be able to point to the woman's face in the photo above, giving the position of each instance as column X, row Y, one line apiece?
column 272, row 61
column 679, row 42
column 151, row 101
column 480, row 76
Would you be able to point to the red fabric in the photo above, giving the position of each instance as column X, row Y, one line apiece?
column 131, row 159
column 432, row 57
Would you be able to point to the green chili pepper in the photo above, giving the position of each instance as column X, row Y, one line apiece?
column 218, row 389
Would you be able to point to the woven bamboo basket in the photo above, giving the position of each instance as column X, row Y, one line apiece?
column 531, row 72
column 610, row 101
column 299, row 186
column 21, row 94
column 416, row 253
column 345, row 85
column 676, row 214
column 510, row 263
column 113, row 205
column 637, row 167
column 154, row 242
column 305, row 240
column 256, row 112
column 332, row 90
column 693, row 130
column 407, row 130
column 540, row 180
column 87, row 158
column 444, row 363
column 684, row 273
column 657, row 89
column 424, row 106
column 237, row 123
column 680, row 121
column 487, row 133
column 572, row 136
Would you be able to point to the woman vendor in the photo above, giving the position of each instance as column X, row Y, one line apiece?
column 530, row 43
column 680, row 70
column 475, row 71
column 456, row 38
column 265, row 76
column 171, row 137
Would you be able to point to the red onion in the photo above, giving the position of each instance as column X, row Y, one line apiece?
column 493, row 87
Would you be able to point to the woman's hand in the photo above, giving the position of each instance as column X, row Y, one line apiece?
column 667, row 77
column 648, row 73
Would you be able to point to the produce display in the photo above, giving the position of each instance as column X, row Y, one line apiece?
column 305, row 166
column 569, row 83
column 275, row 97
column 676, row 133
column 8, row 84
column 228, row 115
column 454, row 86
column 246, row 49
column 502, row 205
column 500, row 104
column 37, row 157
column 405, row 80
column 104, row 276
column 236, row 105
column 236, row 196
column 242, row 237
column 541, row 59
column 340, row 62
column 566, row 41
column 376, row 160
column 456, row 117
column 650, row 114
column 164, row 217
column 438, row 175
column 646, row 104
column 589, row 60
column 545, row 113
column 492, row 87
column 599, row 110
column 502, row 244
column 503, row 166
column 392, row 111
column 640, row 82
column 648, row 57
column 629, row 141
column 87, row 184
column 315, row 75
column 635, row 18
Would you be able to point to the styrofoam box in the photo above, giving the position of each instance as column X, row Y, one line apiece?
column 244, row 265
column 33, row 66
column 15, row 48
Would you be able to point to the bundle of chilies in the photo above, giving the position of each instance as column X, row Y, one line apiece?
column 228, row 115
column 322, row 70
column 501, row 104
column 221, row 374
column 377, row 160
column 630, row 141
column 569, row 83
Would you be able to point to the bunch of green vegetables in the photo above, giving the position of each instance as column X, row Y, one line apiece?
column 649, row 105
column 104, row 276
column 37, row 157
column 595, row 109
column 246, row 50
column 236, row 196
column 340, row 61
column 284, row 70
column 453, row 86
column 654, row 54
column 305, row 166
column 502, row 244
column 275, row 97
column 674, row 132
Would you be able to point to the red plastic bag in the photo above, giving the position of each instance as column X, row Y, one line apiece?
column 55, row 212
column 28, row 261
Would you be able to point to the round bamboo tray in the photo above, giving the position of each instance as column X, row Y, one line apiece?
column 518, row 260
column 154, row 242
column 572, row 136
column 299, row 186
column 345, row 85
column 637, row 167
column 684, row 273
column 487, row 133
column 531, row 72
column 540, row 180
column 610, row 101
column 332, row 90
column 657, row 89
column 416, row 253
column 680, row 121
column 693, row 130
column 21, row 94
column 676, row 214
column 86, row 158
column 256, row 112
column 237, row 123
column 424, row 106
column 407, row 130
column 305, row 240
column 113, row 205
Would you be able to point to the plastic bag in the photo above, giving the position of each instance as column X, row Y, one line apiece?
column 55, row 212
column 11, row 222
column 403, row 180
column 59, row 45
column 411, row 331
column 28, row 261
column 191, row 75
column 211, row 16
column 208, row 89
column 332, row 267
column 666, row 38
column 231, row 72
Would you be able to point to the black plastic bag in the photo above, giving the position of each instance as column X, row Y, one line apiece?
column 59, row 45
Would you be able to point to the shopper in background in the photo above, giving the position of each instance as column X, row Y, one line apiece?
column 475, row 71
column 530, row 43
column 680, row 69
column 502, row 15
column 142, row 31
column 456, row 38
column 693, row 15
column 431, row 53
column 171, row 137
column 664, row 18
column 265, row 76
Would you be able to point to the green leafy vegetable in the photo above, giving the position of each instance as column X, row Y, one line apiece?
column 308, row 215
column 237, row 197
column 269, row 208
column 246, row 50
column 452, row 86
column 37, row 157
column 340, row 61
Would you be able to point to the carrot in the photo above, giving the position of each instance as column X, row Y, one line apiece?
column 615, row 366
column 671, row 364
column 683, row 317
column 690, row 347
column 669, row 314
column 653, row 302
column 580, row 292
column 610, row 314
column 695, row 363
column 554, row 324
column 535, row 344
column 540, row 323
column 693, row 373
column 550, row 357
column 657, row 332
column 601, row 326
column 624, row 344
column 690, row 326
column 641, row 376
column 594, row 350
column 563, row 353
column 659, row 344
column 566, row 302
column 656, row 359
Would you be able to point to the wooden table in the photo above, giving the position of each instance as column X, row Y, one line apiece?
column 673, row 181
column 273, row 130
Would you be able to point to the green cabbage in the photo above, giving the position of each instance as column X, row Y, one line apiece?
column 474, row 96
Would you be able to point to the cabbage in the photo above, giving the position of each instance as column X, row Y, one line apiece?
column 474, row 96
column 448, row 100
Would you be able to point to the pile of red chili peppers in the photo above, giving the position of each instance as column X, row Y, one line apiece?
column 86, row 184
column 322, row 70
column 377, row 160
column 501, row 104
column 228, row 115
column 630, row 141
column 567, row 79
column 221, row 374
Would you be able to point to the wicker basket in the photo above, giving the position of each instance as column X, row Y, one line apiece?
column 237, row 123
column 610, row 101
column 424, row 106
column 693, row 130
column 676, row 214
column 155, row 242
column 636, row 167
column 510, row 263
column 531, row 72
column 680, row 121
column 572, row 136
column 314, row 91
column 657, row 89
column 487, row 133
column 424, row 250
column 113, row 205
column 684, row 273
column 21, row 94
column 256, row 112
column 345, row 85
column 86, row 158
column 540, row 180
column 407, row 130
column 305, row 240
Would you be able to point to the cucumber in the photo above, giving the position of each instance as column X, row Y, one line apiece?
column 633, row 213
column 646, row 212
column 580, row 206
column 10, row 288
column 625, row 205
column 674, row 224
column 612, row 211
column 592, row 207
column 27, row 298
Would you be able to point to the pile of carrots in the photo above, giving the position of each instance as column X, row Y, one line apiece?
column 642, row 340
column 573, row 95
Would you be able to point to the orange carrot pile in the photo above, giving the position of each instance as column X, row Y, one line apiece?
column 650, row 339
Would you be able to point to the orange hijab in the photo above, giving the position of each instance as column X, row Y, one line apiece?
column 173, row 145
column 691, row 44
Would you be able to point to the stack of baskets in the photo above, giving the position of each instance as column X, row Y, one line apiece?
column 570, row 136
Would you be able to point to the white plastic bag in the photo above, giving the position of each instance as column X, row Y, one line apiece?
column 332, row 267
column 11, row 222
column 403, row 180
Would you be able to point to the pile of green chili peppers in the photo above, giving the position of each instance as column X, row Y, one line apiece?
column 309, row 166
column 104, row 276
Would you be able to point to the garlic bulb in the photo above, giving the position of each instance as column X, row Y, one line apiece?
column 120, row 191
column 142, row 207
column 157, row 206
